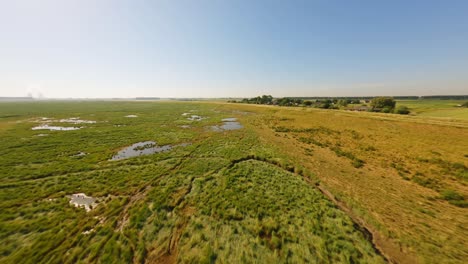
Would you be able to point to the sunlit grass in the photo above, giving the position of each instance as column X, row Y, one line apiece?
column 229, row 196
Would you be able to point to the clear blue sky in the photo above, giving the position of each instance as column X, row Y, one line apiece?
column 221, row 48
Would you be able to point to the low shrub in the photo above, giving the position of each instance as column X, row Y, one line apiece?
column 451, row 195
column 402, row 110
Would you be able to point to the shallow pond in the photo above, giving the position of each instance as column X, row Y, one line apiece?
column 228, row 124
column 230, row 119
column 71, row 120
column 54, row 128
column 45, row 121
column 76, row 120
column 231, row 126
column 143, row 148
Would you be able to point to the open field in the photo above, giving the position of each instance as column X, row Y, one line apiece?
column 436, row 108
column 292, row 185
column 224, row 197
column 404, row 176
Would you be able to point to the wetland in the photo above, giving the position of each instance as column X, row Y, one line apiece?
column 278, row 185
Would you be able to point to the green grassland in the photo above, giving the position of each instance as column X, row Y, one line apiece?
column 228, row 197
column 436, row 108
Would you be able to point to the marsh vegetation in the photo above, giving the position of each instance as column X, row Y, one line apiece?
column 289, row 186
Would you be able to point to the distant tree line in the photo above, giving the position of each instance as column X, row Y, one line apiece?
column 445, row 97
column 291, row 101
column 376, row 104
column 361, row 98
column 368, row 98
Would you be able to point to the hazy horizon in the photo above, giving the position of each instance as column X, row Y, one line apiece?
column 41, row 97
column 220, row 49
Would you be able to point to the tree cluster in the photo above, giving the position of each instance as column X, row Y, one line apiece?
column 387, row 105
column 264, row 99
column 383, row 104
column 288, row 101
column 377, row 104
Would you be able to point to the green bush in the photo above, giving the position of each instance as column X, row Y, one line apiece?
column 402, row 110
column 387, row 109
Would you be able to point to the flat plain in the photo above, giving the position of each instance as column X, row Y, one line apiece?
column 290, row 185
column 437, row 108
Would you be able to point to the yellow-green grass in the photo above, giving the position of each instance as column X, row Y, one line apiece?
column 436, row 108
column 397, row 173
column 229, row 197
column 248, row 195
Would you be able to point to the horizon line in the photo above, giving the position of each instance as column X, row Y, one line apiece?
column 226, row 97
